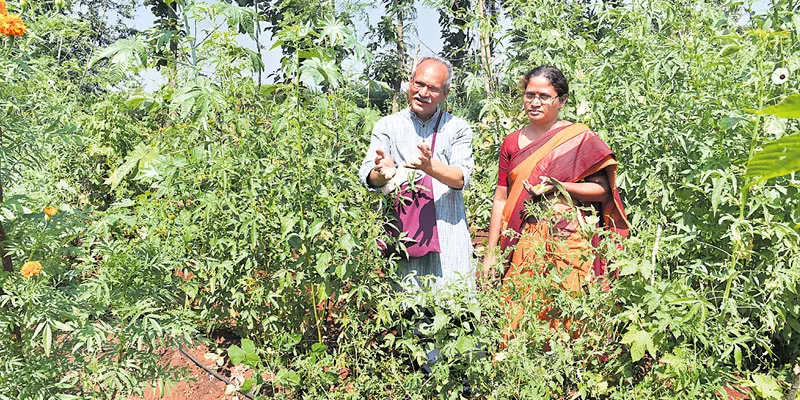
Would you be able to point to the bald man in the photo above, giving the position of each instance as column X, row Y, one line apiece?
column 401, row 143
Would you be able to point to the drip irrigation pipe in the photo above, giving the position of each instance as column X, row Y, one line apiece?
column 214, row 373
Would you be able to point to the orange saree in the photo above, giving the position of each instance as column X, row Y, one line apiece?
column 556, row 243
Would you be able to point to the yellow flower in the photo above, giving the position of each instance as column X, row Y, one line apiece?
column 11, row 25
column 31, row 268
column 50, row 211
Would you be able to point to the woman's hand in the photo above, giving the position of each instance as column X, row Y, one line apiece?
column 545, row 185
column 486, row 276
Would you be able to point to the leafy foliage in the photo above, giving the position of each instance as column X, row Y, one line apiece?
column 220, row 203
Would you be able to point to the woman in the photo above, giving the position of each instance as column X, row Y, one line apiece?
column 538, row 163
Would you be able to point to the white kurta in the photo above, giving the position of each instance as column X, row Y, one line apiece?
column 399, row 134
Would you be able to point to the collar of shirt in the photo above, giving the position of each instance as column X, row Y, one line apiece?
column 425, row 123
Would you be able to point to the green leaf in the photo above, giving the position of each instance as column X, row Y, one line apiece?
column 48, row 340
column 123, row 53
column 200, row 100
column 796, row 20
column 718, row 183
column 464, row 344
column 737, row 357
column 766, row 387
column 332, row 32
column 236, row 354
column 319, row 348
column 646, row 269
column 240, row 19
column 142, row 155
column 323, row 262
column 249, row 353
column 315, row 71
column 788, row 108
column 627, row 267
column 247, row 385
column 141, row 101
column 248, row 346
column 728, row 50
column 341, row 270
column 793, row 323
column 62, row 326
column 287, row 377
column 292, row 340
column 777, row 158
column 311, row 73
column 639, row 341
column 347, row 242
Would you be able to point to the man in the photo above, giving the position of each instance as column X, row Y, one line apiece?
column 402, row 142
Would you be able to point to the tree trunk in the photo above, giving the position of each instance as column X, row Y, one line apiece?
column 401, row 58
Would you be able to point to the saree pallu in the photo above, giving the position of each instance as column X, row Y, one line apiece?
column 568, row 154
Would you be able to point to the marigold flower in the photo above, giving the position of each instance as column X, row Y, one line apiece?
column 11, row 25
column 50, row 211
column 31, row 268
column 780, row 75
column 3, row 7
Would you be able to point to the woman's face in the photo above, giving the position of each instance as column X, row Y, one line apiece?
column 541, row 101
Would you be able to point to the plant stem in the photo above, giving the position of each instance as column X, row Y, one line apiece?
column 193, row 42
column 746, row 186
column 316, row 315
column 795, row 387
column 8, row 264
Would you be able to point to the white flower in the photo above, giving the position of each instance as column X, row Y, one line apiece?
column 780, row 75
column 583, row 108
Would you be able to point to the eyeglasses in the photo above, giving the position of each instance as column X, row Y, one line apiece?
column 420, row 85
column 543, row 97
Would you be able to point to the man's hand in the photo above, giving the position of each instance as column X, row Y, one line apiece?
column 383, row 159
column 384, row 169
column 423, row 160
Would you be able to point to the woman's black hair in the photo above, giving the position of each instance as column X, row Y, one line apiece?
column 552, row 74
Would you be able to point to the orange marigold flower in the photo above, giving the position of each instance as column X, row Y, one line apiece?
column 11, row 25
column 31, row 268
column 3, row 7
column 50, row 211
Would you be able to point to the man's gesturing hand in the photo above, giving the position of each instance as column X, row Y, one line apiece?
column 384, row 165
column 423, row 160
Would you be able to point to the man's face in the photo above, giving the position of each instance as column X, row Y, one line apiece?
column 426, row 88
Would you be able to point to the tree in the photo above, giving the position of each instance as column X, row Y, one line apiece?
column 392, row 59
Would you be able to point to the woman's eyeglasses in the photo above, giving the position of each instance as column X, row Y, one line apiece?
column 543, row 97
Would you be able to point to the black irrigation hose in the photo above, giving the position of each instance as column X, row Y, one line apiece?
column 213, row 373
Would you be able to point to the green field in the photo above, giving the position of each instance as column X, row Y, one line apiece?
column 217, row 203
